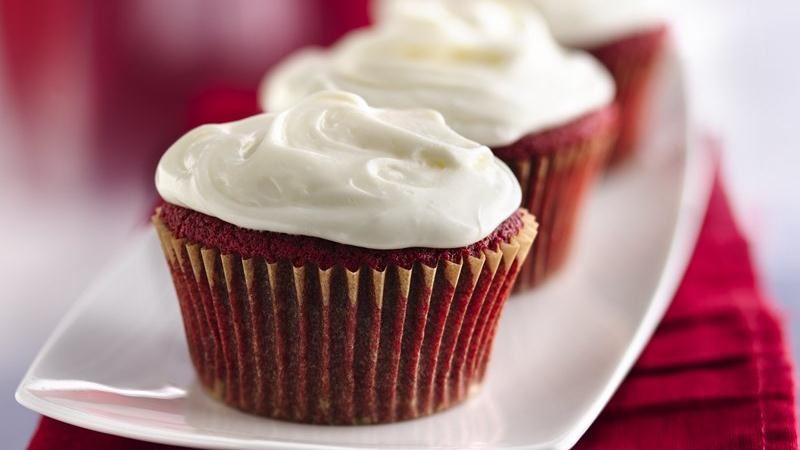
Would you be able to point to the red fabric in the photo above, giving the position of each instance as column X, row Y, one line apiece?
column 716, row 375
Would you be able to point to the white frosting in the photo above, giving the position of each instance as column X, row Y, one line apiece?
column 490, row 67
column 583, row 23
column 332, row 167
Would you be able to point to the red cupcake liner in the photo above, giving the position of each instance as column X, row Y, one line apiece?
column 632, row 62
column 556, row 170
column 335, row 346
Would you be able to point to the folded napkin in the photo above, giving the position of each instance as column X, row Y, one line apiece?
column 716, row 375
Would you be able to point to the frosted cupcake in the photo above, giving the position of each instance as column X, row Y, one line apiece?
column 340, row 264
column 495, row 73
column 628, row 36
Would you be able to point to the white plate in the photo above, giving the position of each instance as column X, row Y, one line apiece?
column 118, row 361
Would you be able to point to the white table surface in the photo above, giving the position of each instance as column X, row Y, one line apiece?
column 744, row 71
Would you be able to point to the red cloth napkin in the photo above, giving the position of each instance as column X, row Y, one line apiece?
column 716, row 375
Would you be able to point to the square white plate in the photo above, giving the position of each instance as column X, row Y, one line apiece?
column 118, row 361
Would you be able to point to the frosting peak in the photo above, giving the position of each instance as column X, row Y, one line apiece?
column 489, row 66
column 332, row 167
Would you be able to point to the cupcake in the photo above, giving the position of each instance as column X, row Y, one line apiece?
column 339, row 264
column 629, row 38
column 498, row 77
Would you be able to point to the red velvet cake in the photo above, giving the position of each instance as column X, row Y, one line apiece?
column 304, row 329
column 337, row 263
column 556, row 168
column 632, row 62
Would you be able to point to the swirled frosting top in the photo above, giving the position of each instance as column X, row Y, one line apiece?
column 335, row 168
column 491, row 67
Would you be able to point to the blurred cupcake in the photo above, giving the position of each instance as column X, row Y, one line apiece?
column 339, row 264
column 498, row 77
column 628, row 37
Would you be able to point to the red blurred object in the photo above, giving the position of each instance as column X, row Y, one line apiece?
column 632, row 62
column 220, row 104
column 715, row 376
column 341, row 16
column 98, row 89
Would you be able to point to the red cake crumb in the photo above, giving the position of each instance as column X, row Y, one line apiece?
column 211, row 232
column 565, row 136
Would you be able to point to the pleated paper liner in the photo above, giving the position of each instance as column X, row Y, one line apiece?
column 632, row 63
column 555, row 184
column 339, row 347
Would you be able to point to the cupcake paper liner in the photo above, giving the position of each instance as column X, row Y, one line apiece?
column 555, row 184
column 632, row 62
column 335, row 346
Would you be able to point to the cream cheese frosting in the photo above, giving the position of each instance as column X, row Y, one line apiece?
column 335, row 168
column 585, row 23
column 490, row 67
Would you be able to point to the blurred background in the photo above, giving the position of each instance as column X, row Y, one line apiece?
column 92, row 92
